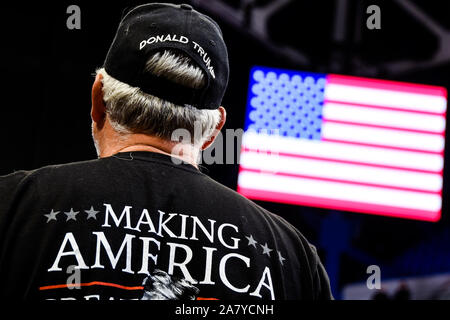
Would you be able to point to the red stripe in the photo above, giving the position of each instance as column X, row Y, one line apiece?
column 387, row 85
column 352, row 206
column 352, row 182
column 382, row 146
column 88, row 284
column 293, row 155
column 360, row 124
column 374, row 106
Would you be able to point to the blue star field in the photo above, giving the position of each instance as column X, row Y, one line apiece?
column 284, row 102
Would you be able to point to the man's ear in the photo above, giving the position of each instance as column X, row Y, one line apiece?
column 98, row 110
column 223, row 118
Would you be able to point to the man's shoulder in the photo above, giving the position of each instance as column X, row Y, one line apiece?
column 52, row 168
column 243, row 204
column 49, row 171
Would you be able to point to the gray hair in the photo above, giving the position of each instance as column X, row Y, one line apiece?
column 130, row 110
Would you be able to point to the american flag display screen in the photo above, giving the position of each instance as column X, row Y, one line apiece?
column 343, row 142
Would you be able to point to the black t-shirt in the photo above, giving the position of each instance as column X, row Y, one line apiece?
column 139, row 226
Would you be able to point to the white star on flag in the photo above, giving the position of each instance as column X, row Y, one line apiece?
column 266, row 249
column 71, row 214
column 251, row 241
column 91, row 213
column 51, row 215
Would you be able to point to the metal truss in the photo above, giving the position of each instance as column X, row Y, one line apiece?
column 251, row 17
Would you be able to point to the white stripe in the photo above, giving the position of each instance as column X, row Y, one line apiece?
column 397, row 119
column 340, row 191
column 387, row 98
column 383, row 137
column 333, row 170
column 331, row 150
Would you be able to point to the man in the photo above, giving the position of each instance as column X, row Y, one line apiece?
column 142, row 221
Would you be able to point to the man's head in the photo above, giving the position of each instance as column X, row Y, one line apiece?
column 167, row 69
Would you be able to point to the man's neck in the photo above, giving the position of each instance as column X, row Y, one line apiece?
column 114, row 143
column 185, row 155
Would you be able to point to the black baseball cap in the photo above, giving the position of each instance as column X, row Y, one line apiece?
column 157, row 26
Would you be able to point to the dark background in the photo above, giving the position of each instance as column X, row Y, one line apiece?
column 47, row 72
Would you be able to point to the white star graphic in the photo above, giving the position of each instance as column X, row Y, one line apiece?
column 251, row 241
column 91, row 213
column 266, row 249
column 71, row 214
column 280, row 257
column 51, row 215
